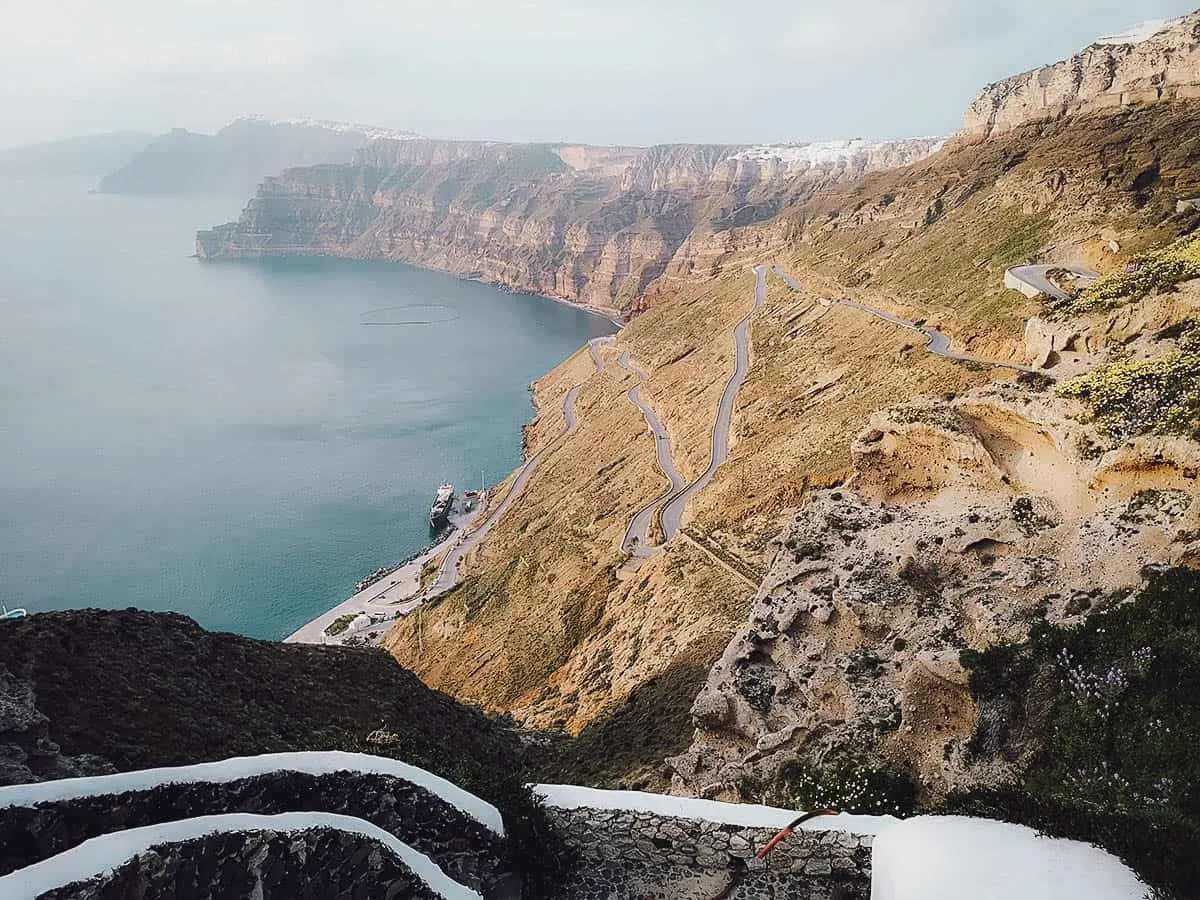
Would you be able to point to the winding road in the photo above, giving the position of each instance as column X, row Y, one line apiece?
column 672, row 514
column 569, row 414
column 637, row 535
column 674, row 501
column 1035, row 278
column 594, row 350
column 936, row 342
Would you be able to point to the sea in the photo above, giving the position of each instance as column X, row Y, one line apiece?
column 238, row 441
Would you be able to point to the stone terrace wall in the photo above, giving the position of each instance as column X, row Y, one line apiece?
column 640, row 855
column 466, row 850
column 317, row 863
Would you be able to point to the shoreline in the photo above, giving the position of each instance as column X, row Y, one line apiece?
column 380, row 598
column 608, row 313
column 391, row 596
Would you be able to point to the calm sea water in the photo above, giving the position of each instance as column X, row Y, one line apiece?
column 236, row 441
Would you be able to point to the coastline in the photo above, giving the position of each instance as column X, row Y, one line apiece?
column 398, row 593
column 393, row 595
column 608, row 313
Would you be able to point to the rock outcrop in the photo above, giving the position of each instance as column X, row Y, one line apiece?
column 1105, row 76
column 591, row 225
column 27, row 752
column 968, row 521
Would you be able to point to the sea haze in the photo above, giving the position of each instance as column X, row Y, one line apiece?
column 234, row 441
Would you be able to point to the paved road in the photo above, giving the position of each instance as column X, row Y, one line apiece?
column 569, row 414
column 637, row 535
column 936, row 342
column 632, row 366
column 448, row 576
column 594, row 349
column 672, row 514
column 1035, row 277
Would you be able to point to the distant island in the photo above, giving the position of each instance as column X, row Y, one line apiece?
column 237, row 158
column 93, row 154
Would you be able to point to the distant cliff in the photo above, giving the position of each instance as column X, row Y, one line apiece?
column 594, row 225
column 1126, row 70
column 237, row 157
column 92, row 154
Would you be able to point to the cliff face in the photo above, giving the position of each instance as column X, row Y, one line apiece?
column 1113, row 74
column 592, row 225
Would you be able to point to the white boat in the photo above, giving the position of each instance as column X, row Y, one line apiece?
column 439, row 513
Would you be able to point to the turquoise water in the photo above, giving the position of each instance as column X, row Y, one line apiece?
column 236, row 441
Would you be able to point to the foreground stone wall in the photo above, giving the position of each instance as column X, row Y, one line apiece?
column 466, row 850
column 317, row 863
column 627, row 854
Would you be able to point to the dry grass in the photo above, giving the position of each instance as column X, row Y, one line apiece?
column 547, row 626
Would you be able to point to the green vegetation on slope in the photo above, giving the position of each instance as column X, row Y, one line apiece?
column 938, row 235
column 845, row 786
column 1109, row 715
column 1152, row 272
column 1131, row 397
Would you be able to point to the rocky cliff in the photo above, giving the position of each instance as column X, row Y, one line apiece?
column 1158, row 63
column 592, row 225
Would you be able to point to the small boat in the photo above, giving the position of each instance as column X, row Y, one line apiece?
column 439, row 512
column 6, row 613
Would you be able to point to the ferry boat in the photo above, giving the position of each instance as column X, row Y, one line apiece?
column 439, row 513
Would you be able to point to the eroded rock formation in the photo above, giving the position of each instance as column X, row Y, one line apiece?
column 968, row 520
column 1102, row 77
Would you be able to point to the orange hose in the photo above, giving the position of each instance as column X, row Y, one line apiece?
column 783, row 835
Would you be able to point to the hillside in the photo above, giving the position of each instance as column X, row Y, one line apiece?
column 124, row 690
column 818, row 377
column 93, row 154
column 594, row 225
column 885, row 512
column 235, row 159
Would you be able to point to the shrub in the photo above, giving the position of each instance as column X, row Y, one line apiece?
column 1132, row 397
column 1115, row 737
column 844, row 787
column 340, row 624
column 1157, row 270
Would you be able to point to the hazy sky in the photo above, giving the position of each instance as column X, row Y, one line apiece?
column 604, row 71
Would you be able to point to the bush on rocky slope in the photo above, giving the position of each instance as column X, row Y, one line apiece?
column 1109, row 714
column 1131, row 396
column 848, row 787
column 1153, row 272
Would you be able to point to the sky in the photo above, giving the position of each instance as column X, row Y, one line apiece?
column 602, row 71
